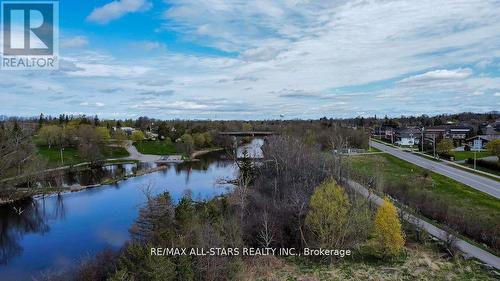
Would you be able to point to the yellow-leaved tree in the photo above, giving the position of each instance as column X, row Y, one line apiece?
column 328, row 214
column 494, row 147
column 389, row 238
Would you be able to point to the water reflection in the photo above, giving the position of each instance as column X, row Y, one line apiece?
column 57, row 231
column 96, row 175
column 16, row 220
column 254, row 149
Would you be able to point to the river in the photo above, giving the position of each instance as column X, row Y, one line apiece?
column 55, row 233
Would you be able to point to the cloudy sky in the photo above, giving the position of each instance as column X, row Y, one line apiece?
column 233, row 59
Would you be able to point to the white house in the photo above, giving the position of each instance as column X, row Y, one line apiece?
column 409, row 137
column 127, row 130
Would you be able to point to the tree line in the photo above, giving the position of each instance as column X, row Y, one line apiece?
column 292, row 199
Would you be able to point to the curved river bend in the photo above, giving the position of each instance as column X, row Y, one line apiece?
column 55, row 233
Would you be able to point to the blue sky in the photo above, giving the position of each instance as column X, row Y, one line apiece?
column 260, row 59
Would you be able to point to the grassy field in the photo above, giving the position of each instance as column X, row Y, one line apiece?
column 71, row 157
column 420, row 263
column 397, row 170
column 114, row 152
column 156, row 147
column 373, row 149
column 479, row 210
column 53, row 156
column 464, row 155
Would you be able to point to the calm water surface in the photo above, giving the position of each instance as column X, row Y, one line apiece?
column 56, row 232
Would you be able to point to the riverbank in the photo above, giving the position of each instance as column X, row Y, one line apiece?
column 23, row 193
column 200, row 153
column 100, row 216
column 17, row 194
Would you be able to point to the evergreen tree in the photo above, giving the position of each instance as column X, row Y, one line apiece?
column 246, row 167
column 41, row 120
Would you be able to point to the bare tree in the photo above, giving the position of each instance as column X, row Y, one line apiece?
column 266, row 234
column 88, row 143
column 18, row 157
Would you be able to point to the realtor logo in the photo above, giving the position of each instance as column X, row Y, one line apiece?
column 30, row 34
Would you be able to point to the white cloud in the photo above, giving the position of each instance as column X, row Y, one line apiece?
column 328, row 55
column 261, row 53
column 441, row 74
column 97, row 104
column 475, row 94
column 177, row 105
column 117, row 9
column 150, row 45
column 497, row 94
column 74, row 42
column 107, row 70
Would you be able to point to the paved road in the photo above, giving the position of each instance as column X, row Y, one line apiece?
column 464, row 246
column 136, row 155
column 478, row 182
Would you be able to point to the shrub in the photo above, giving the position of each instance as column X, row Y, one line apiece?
column 445, row 147
column 495, row 166
column 327, row 217
column 389, row 238
column 137, row 136
column 494, row 147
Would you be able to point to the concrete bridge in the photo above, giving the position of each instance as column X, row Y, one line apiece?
column 248, row 134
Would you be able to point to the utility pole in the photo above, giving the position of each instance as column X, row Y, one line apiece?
column 474, row 159
column 475, row 150
column 422, row 140
column 434, row 144
column 412, row 141
column 62, row 158
column 369, row 140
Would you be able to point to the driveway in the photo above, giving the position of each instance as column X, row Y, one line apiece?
column 475, row 181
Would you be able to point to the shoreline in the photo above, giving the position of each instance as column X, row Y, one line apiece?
column 48, row 192
column 199, row 153
column 78, row 188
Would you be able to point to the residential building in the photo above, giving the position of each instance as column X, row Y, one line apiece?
column 408, row 136
column 458, row 133
column 479, row 142
column 127, row 130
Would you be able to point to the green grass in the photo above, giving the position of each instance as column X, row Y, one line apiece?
column 451, row 192
column 156, row 147
column 114, row 152
column 464, row 155
column 373, row 149
column 71, row 156
column 53, row 156
column 398, row 171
